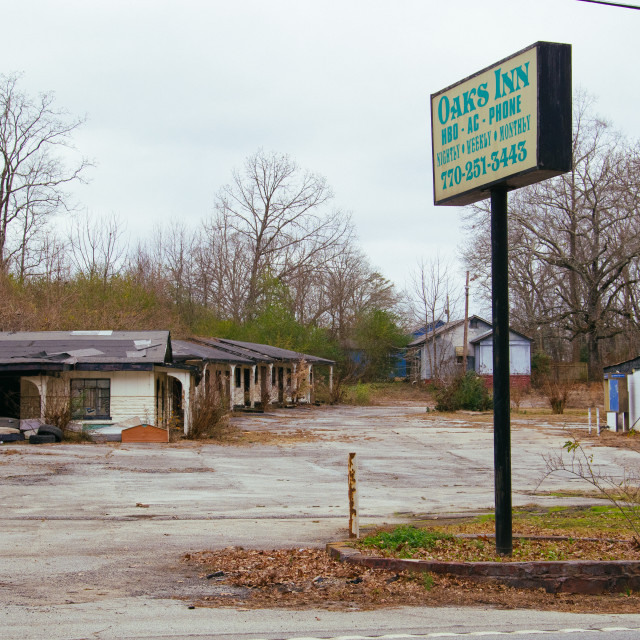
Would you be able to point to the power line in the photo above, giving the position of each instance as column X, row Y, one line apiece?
column 613, row 4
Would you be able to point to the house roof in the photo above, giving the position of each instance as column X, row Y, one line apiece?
column 65, row 349
column 487, row 334
column 255, row 352
column 184, row 350
column 273, row 353
column 628, row 366
column 445, row 328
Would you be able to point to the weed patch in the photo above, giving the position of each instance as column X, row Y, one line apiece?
column 405, row 539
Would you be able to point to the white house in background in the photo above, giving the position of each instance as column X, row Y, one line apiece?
column 449, row 342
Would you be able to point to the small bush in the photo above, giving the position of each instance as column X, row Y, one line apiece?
column 58, row 411
column 557, row 393
column 517, row 393
column 209, row 414
column 464, row 392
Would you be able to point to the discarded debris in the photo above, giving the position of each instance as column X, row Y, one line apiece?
column 215, row 574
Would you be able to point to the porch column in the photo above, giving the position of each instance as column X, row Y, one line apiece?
column 185, row 379
column 232, row 386
column 269, row 379
column 310, row 383
column 330, row 378
column 43, row 395
column 253, row 386
column 294, row 382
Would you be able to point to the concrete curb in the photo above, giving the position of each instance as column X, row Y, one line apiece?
column 571, row 576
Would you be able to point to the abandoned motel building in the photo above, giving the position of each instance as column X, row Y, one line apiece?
column 111, row 377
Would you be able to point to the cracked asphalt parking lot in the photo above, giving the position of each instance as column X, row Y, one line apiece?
column 88, row 522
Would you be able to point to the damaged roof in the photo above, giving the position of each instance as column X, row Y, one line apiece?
column 185, row 350
column 64, row 349
column 262, row 352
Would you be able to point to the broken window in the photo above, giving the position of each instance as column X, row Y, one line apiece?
column 90, row 398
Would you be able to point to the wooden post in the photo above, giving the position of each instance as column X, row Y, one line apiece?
column 598, row 420
column 466, row 327
column 589, row 420
column 354, row 518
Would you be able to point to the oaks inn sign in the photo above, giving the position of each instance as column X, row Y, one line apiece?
column 504, row 127
column 508, row 124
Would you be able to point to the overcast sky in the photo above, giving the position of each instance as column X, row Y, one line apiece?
column 177, row 93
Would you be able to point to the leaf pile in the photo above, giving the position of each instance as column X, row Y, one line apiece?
column 309, row 578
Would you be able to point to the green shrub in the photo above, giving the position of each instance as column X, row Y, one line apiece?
column 359, row 394
column 464, row 392
column 540, row 367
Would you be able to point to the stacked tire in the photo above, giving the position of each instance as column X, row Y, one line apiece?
column 47, row 434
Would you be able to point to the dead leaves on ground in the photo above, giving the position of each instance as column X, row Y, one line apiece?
column 309, row 578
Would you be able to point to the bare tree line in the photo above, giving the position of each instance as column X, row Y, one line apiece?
column 574, row 244
column 274, row 237
column 275, row 240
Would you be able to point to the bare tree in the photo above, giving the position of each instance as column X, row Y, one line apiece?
column 351, row 287
column 230, row 269
column 97, row 246
column 276, row 214
column 576, row 241
column 32, row 176
column 48, row 258
column 434, row 296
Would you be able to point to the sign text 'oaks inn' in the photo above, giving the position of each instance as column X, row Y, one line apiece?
column 509, row 124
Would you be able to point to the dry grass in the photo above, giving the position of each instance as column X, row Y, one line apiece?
column 389, row 393
column 252, row 438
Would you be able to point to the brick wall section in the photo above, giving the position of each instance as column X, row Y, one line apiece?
column 520, row 381
column 574, row 576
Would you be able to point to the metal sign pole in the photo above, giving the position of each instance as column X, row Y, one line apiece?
column 501, row 400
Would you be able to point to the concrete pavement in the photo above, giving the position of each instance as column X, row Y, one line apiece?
column 103, row 528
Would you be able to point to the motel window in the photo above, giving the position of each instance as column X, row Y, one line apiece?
column 255, row 376
column 238, row 377
column 90, row 398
